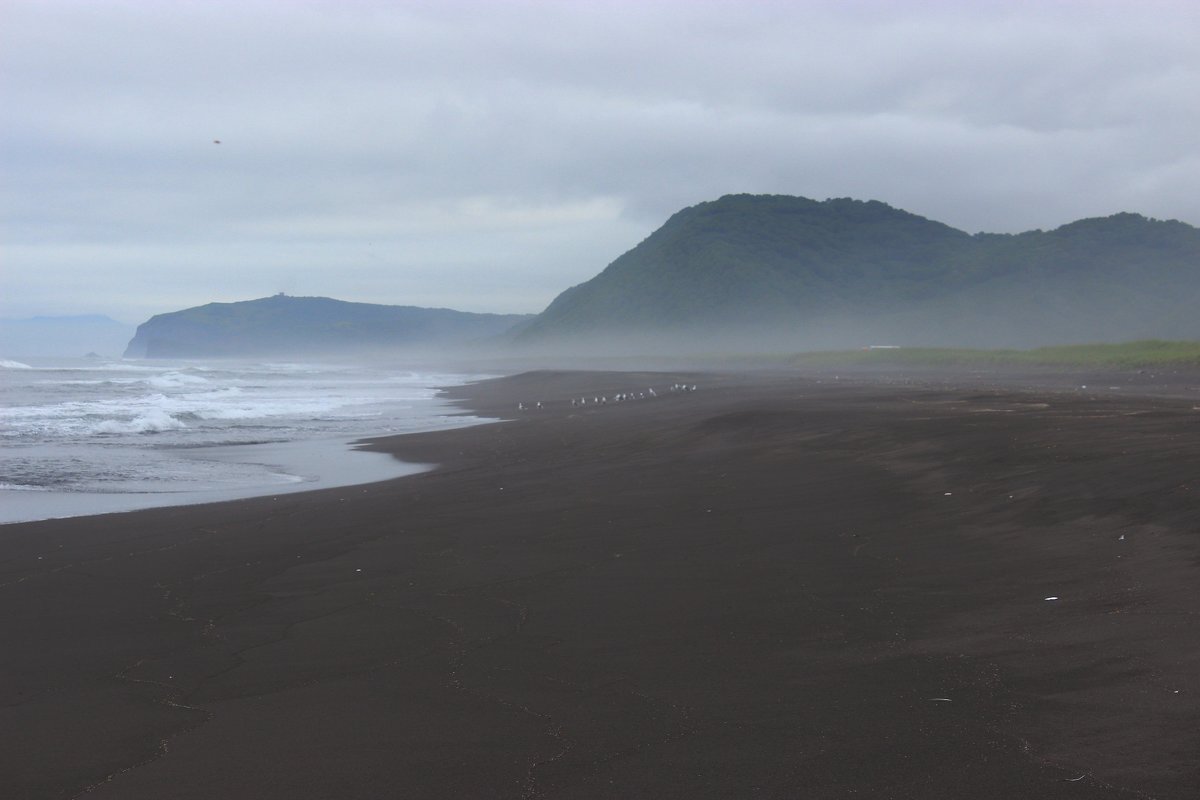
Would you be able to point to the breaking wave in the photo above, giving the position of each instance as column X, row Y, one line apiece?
column 175, row 380
column 152, row 421
column 146, row 429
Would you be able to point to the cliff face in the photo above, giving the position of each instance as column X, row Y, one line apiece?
column 282, row 326
column 794, row 268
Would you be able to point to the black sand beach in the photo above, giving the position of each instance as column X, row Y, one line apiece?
column 775, row 586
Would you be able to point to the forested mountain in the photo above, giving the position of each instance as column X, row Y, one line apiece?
column 774, row 273
column 283, row 325
column 842, row 271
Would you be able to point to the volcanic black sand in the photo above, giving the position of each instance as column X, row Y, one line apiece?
column 773, row 586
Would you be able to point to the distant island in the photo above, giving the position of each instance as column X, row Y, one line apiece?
column 282, row 326
column 757, row 272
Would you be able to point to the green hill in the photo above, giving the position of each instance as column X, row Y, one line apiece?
column 800, row 272
column 282, row 325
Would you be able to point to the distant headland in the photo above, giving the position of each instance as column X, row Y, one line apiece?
column 753, row 273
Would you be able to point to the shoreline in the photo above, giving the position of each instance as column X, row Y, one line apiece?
column 84, row 438
column 1172, row 383
column 782, row 584
column 187, row 473
column 294, row 463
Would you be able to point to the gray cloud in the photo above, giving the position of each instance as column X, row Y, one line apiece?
column 484, row 156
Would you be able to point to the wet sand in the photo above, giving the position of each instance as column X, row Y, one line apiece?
column 774, row 586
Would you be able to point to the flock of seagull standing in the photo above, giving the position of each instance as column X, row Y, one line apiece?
column 619, row 397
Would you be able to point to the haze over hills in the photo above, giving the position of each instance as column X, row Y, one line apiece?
column 283, row 325
column 775, row 273
column 768, row 272
column 68, row 336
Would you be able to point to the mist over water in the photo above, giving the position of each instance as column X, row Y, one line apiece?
column 82, row 436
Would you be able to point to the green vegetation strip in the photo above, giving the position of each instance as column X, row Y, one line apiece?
column 1145, row 353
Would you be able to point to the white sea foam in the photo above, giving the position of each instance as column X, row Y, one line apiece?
column 141, row 429
column 6, row 364
column 163, row 411
column 152, row 421
column 174, row 380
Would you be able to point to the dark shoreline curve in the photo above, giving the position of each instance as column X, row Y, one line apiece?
column 779, row 585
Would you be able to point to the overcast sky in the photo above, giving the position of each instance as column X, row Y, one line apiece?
column 484, row 156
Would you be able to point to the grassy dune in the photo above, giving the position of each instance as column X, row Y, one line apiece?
column 1145, row 353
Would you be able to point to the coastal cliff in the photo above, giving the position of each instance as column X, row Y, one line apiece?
column 283, row 325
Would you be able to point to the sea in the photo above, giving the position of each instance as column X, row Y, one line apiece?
column 83, row 436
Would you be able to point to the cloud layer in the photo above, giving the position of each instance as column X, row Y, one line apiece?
column 485, row 156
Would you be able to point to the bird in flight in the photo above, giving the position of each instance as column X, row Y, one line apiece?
column 216, row 141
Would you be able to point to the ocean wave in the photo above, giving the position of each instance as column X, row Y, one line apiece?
column 175, row 380
column 159, row 411
column 103, row 366
column 7, row 364
column 151, row 421
column 192, row 404
column 231, row 442
column 299, row 368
